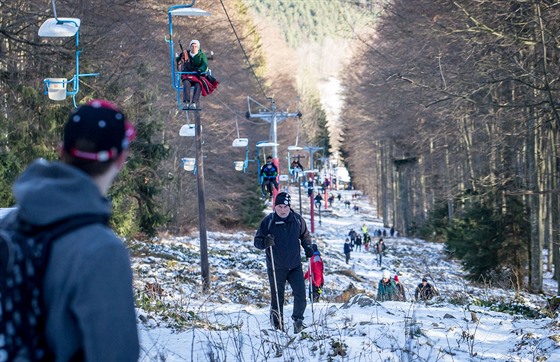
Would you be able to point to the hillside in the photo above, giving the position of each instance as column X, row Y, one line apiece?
column 125, row 43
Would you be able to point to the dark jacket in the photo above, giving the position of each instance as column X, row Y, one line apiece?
column 198, row 63
column 289, row 236
column 347, row 247
column 296, row 164
column 88, row 282
column 425, row 292
column 387, row 290
column 269, row 170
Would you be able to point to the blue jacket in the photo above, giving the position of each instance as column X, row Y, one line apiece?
column 269, row 170
column 289, row 236
column 88, row 282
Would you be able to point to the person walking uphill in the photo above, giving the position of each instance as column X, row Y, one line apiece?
column 282, row 234
column 387, row 288
column 87, row 290
column 347, row 250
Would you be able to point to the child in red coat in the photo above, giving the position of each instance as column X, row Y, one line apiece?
column 317, row 268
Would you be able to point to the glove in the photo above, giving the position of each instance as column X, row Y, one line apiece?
column 308, row 252
column 269, row 240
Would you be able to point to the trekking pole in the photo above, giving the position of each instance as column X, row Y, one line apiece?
column 311, row 291
column 280, row 321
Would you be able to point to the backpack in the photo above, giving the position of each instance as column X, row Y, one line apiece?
column 24, row 255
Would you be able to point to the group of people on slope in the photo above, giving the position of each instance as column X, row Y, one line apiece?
column 354, row 240
column 392, row 289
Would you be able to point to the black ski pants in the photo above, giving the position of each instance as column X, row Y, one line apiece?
column 295, row 278
column 268, row 184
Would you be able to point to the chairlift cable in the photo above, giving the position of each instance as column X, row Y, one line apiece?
column 237, row 113
column 244, row 52
column 237, row 127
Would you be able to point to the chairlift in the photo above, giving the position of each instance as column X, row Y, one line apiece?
column 180, row 11
column 187, row 130
column 293, row 149
column 57, row 89
column 240, row 143
column 188, row 163
column 262, row 145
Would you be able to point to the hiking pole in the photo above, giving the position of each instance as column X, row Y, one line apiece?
column 311, row 291
column 280, row 319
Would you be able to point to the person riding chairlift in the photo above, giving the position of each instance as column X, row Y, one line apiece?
column 269, row 171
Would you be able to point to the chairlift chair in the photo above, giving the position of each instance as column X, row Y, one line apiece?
column 262, row 145
column 180, row 11
column 239, row 143
column 57, row 88
column 188, row 163
column 292, row 149
column 187, row 130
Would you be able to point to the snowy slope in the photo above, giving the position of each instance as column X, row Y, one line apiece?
column 230, row 323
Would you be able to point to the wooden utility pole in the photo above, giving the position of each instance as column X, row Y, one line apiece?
column 204, row 265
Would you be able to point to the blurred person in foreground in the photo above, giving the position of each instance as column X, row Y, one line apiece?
column 87, row 288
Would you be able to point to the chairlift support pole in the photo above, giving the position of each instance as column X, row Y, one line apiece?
column 273, row 117
column 312, row 150
column 204, row 265
column 189, row 10
column 324, row 161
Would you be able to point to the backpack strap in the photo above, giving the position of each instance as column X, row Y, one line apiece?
column 46, row 234
column 296, row 216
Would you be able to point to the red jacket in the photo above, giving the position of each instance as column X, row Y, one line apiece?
column 316, row 270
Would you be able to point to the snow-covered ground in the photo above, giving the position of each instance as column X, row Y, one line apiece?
column 178, row 322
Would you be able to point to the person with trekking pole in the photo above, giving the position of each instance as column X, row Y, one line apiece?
column 282, row 234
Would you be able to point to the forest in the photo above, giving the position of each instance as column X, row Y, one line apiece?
column 446, row 114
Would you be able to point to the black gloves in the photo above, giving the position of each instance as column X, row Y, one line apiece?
column 308, row 252
column 269, row 240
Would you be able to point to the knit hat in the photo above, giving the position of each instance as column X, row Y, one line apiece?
column 282, row 198
column 194, row 42
column 396, row 278
column 424, row 279
column 386, row 274
column 97, row 131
